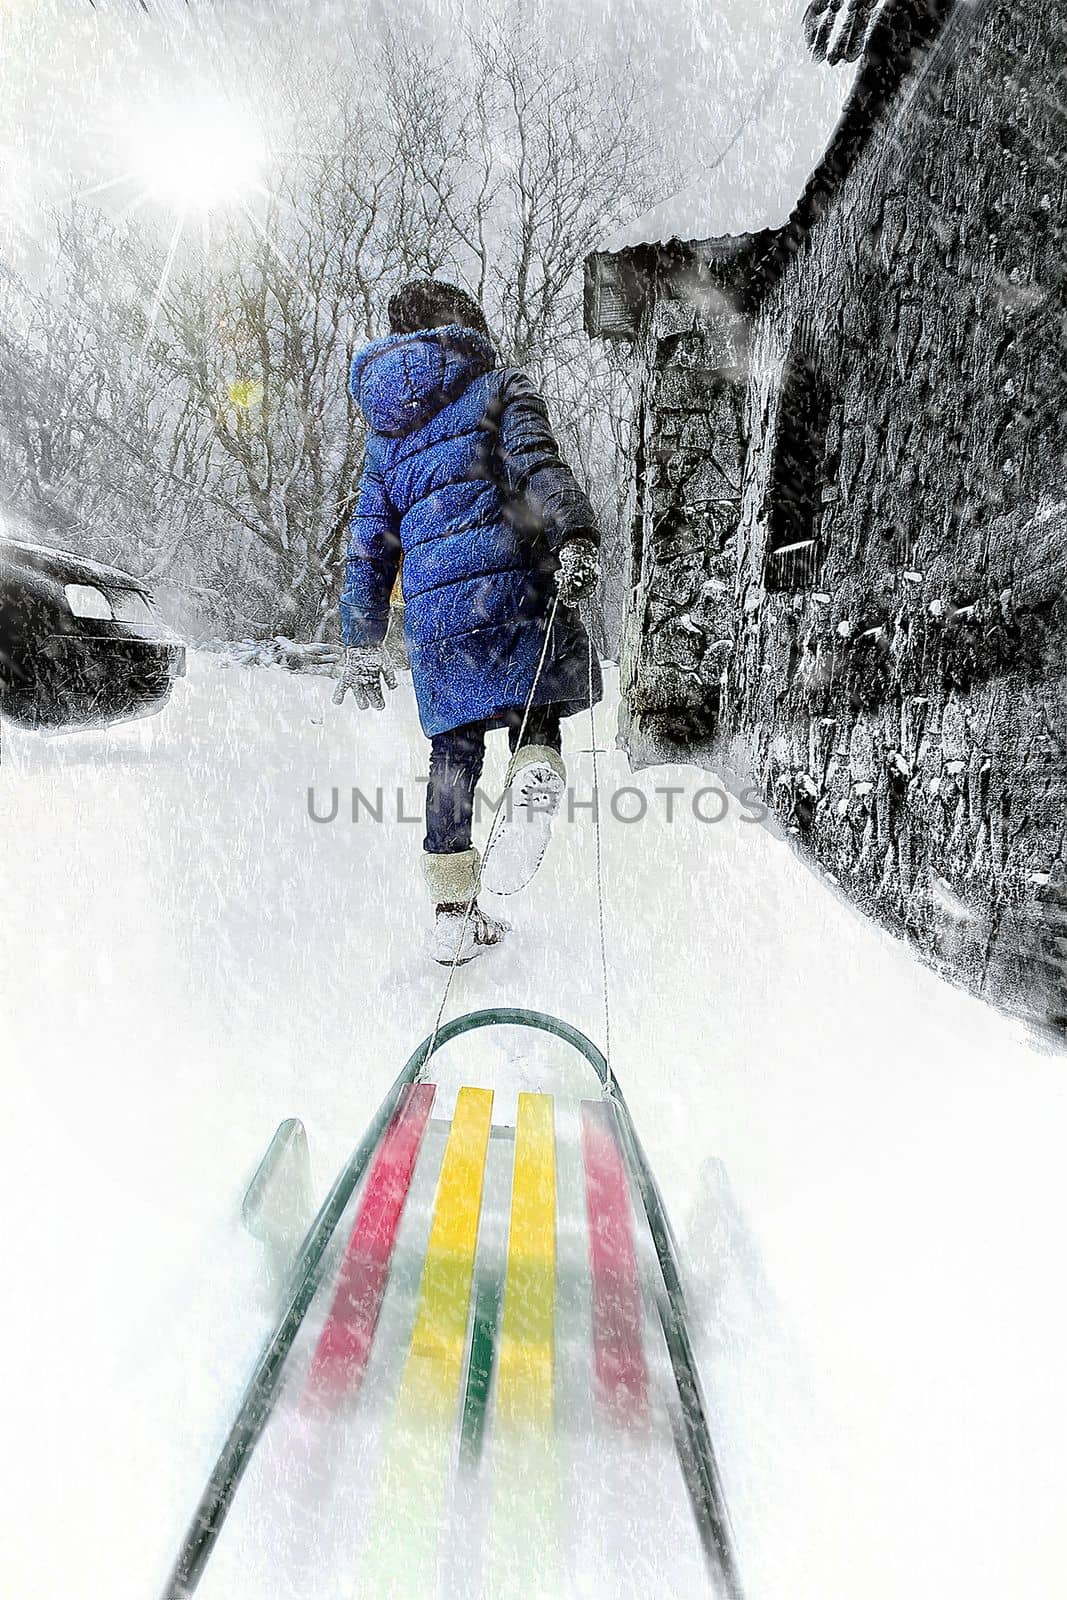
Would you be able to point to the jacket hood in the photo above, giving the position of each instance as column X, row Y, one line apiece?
column 402, row 381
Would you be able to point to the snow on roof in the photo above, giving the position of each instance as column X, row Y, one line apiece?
column 797, row 95
column 685, row 216
column 889, row 30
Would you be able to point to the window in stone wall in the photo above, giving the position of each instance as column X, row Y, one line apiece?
column 798, row 474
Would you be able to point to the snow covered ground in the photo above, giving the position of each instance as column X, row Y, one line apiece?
column 186, row 957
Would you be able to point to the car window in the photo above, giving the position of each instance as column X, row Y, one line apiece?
column 86, row 600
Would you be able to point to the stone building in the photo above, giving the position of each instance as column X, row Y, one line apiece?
column 849, row 545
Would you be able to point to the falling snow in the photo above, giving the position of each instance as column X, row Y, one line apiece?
column 203, row 208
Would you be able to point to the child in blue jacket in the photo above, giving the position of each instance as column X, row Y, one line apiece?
column 463, row 479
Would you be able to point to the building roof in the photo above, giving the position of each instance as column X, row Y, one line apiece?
column 897, row 39
column 903, row 35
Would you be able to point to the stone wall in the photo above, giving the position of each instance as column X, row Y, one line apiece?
column 680, row 630
column 898, row 681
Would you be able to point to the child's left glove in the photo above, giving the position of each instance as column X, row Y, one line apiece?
column 362, row 671
column 579, row 569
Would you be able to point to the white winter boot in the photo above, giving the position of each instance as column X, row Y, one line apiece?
column 535, row 788
column 462, row 930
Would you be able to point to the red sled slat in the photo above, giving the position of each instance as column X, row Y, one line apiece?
column 344, row 1346
column 618, row 1348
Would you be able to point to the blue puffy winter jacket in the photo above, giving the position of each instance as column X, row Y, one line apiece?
column 463, row 476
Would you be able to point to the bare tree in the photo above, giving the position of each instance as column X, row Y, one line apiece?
column 190, row 414
column 520, row 168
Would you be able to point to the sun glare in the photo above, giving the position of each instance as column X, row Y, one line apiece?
column 198, row 157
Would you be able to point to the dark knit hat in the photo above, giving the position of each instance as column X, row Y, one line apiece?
column 429, row 303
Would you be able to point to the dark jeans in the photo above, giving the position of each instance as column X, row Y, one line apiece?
column 456, row 765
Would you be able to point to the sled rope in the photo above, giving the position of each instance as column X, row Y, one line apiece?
column 494, row 820
column 598, row 857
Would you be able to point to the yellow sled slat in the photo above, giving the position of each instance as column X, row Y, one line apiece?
column 524, row 1393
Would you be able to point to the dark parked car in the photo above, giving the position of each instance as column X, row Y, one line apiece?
column 79, row 643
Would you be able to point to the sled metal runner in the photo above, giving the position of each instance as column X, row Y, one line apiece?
column 449, row 1377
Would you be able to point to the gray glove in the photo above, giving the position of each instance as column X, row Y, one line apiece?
column 361, row 671
column 579, row 569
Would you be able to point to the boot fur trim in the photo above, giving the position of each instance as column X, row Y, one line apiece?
column 528, row 755
column 451, row 878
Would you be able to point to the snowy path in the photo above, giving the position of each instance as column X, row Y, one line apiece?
column 186, row 958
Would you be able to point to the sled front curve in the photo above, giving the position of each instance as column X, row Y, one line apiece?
column 460, row 1434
